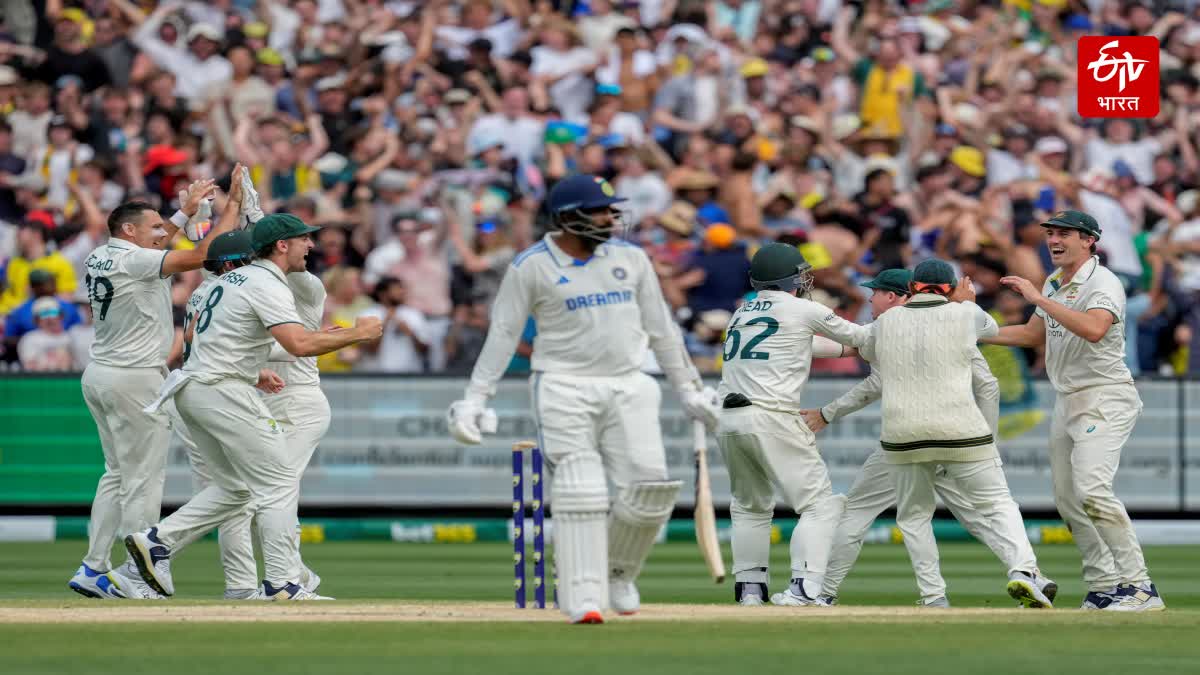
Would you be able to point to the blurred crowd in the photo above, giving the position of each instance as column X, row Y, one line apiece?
column 424, row 135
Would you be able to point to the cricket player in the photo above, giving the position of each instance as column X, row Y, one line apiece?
column 769, row 346
column 923, row 351
column 597, row 303
column 242, row 445
column 1078, row 312
column 873, row 490
column 300, row 406
column 129, row 287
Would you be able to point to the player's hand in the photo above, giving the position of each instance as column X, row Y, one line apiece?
column 368, row 328
column 813, row 420
column 701, row 404
column 189, row 199
column 964, row 291
column 235, row 185
column 468, row 420
column 1023, row 286
column 269, row 381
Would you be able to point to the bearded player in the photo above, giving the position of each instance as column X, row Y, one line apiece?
column 597, row 304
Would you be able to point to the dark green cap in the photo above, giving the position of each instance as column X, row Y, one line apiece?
column 934, row 271
column 277, row 227
column 894, row 280
column 1075, row 220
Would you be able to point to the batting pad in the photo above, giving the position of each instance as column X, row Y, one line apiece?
column 580, row 552
column 637, row 516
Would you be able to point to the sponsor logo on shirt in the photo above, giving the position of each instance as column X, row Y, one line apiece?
column 599, row 300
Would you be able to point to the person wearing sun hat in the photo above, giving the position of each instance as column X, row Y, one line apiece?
column 1097, row 405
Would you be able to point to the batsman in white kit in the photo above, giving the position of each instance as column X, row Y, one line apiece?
column 244, row 447
column 923, row 351
column 597, row 304
column 1079, row 318
column 129, row 288
column 873, row 490
column 769, row 346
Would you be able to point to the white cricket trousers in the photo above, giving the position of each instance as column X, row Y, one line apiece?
column 980, row 483
column 765, row 451
column 245, row 452
column 304, row 413
column 1089, row 429
column 233, row 535
column 129, row 494
column 592, row 430
column 874, row 491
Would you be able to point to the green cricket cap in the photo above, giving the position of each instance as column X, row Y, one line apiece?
column 1075, row 220
column 277, row 227
column 934, row 271
column 894, row 280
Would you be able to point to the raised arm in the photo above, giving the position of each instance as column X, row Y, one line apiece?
column 182, row 261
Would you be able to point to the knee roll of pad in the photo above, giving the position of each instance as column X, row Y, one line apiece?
column 637, row 516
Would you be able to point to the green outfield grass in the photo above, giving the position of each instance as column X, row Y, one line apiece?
column 1065, row 641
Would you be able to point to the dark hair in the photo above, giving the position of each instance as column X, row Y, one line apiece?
column 382, row 286
column 266, row 251
column 129, row 212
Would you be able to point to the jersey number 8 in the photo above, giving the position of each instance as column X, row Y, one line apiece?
column 733, row 339
column 205, row 316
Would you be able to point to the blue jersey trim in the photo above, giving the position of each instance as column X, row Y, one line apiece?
column 539, row 247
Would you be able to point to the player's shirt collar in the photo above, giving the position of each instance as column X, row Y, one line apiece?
column 1085, row 273
column 563, row 259
column 921, row 300
column 270, row 267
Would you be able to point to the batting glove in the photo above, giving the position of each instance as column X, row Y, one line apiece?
column 468, row 420
column 701, row 404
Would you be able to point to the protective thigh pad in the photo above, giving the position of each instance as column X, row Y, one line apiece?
column 637, row 516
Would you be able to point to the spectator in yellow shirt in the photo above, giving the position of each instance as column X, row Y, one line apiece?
column 33, row 254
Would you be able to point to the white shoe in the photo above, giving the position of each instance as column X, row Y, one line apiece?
column 153, row 560
column 243, row 594
column 1025, row 589
column 750, row 593
column 92, row 584
column 588, row 614
column 936, row 603
column 309, row 579
column 794, row 596
column 129, row 580
column 623, row 597
column 1140, row 598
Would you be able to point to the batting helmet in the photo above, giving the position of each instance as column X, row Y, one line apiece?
column 231, row 247
column 573, row 201
column 780, row 267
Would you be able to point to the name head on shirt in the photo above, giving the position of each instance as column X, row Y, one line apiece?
column 599, row 300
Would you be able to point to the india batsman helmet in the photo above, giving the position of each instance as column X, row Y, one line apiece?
column 574, row 201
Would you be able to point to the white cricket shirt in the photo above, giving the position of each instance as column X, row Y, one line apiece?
column 594, row 318
column 232, row 336
column 131, row 305
column 309, row 295
column 1073, row 363
column 769, row 347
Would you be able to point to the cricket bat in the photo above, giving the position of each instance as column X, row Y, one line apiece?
column 705, row 518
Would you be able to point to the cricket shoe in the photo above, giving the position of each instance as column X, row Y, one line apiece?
column 92, row 584
column 287, row 592
column 623, row 597
column 310, row 580
column 243, row 594
column 1139, row 598
column 129, row 580
column 750, row 593
column 794, row 596
column 587, row 614
column 1047, row 585
column 153, row 560
column 1024, row 588
column 936, row 603
column 826, row 600
column 1101, row 599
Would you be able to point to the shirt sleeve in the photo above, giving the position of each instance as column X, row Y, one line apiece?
column 985, row 325
column 860, row 396
column 824, row 348
column 665, row 337
column 514, row 301
column 274, row 305
column 144, row 263
column 1106, row 296
column 826, row 322
column 307, row 287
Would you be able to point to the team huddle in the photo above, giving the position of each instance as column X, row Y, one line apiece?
column 255, row 323
column 257, row 306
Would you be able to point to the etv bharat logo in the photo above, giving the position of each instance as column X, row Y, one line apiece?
column 1118, row 77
